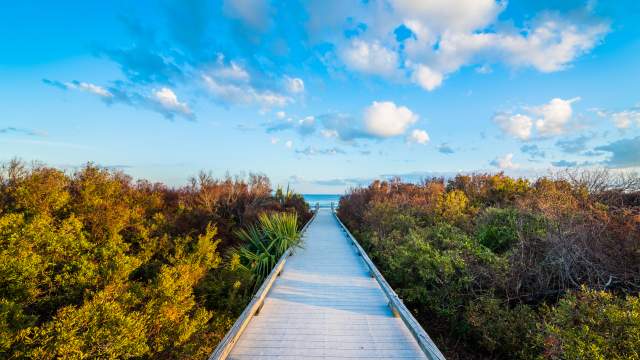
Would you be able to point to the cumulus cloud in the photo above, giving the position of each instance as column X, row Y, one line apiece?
column 624, row 153
column 550, row 119
column 504, row 162
column 167, row 99
column 516, row 125
column 441, row 36
column 450, row 15
column 427, row 78
column 418, row 136
column 622, row 119
column 370, row 57
column 553, row 117
column 380, row 120
column 385, row 119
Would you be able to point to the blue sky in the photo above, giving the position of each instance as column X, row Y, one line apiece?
column 322, row 95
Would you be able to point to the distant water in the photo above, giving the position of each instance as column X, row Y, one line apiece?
column 324, row 200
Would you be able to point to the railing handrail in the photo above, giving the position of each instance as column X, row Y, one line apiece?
column 397, row 306
column 226, row 345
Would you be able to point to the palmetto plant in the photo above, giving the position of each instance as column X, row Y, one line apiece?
column 283, row 195
column 267, row 241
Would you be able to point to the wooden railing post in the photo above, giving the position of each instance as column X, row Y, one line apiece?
column 395, row 303
column 253, row 308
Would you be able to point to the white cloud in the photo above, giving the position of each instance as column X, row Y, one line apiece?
column 451, row 15
column 281, row 115
column 288, row 144
column 232, row 83
column 88, row 87
column 385, row 119
column 517, row 125
column 275, row 140
column 168, row 100
column 427, row 78
column 505, row 162
column 623, row 119
column 447, row 35
column 163, row 101
column 418, row 137
column 551, row 44
column 370, row 57
column 232, row 72
column 294, row 85
column 94, row 89
column 243, row 93
column 553, row 117
column 550, row 119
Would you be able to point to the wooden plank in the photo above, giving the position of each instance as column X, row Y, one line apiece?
column 326, row 305
column 226, row 345
column 426, row 344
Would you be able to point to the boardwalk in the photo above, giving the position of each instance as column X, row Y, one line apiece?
column 326, row 306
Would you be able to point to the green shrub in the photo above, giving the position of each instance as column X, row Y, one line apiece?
column 506, row 332
column 95, row 266
column 498, row 229
column 589, row 324
column 432, row 270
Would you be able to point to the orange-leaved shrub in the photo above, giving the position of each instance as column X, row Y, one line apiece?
column 504, row 268
column 95, row 265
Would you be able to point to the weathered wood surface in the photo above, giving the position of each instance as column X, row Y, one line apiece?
column 397, row 306
column 226, row 345
column 326, row 305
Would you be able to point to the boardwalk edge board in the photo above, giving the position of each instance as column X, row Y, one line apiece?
column 397, row 306
column 226, row 345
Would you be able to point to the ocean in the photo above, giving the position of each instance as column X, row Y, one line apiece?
column 324, row 200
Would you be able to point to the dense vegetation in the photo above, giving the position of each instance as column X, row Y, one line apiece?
column 503, row 268
column 94, row 265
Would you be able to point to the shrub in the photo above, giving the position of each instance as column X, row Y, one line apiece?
column 589, row 324
column 504, row 331
column 93, row 265
column 488, row 290
column 498, row 229
column 453, row 207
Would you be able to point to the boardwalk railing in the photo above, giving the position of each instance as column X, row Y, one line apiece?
column 395, row 303
column 226, row 345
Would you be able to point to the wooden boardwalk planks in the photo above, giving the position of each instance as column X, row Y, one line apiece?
column 326, row 305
